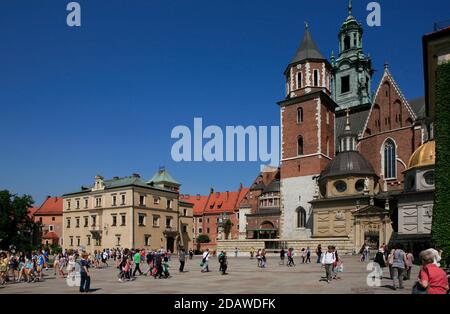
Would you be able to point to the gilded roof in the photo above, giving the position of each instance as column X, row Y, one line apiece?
column 425, row 155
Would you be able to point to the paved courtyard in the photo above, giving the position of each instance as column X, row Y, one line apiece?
column 244, row 278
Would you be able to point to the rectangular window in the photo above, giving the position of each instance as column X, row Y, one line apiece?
column 345, row 84
column 184, row 228
column 114, row 220
column 316, row 78
column 169, row 204
column 156, row 200
column 141, row 219
column 88, row 240
column 118, row 240
column 123, row 220
column 78, row 241
column 77, row 222
column 168, row 222
column 200, row 230
column 114, row 200
column 86, row 222
column 123, row 199
column 86, row 203
column 155, row 221
column 299, row 80
column 78, row 204
column 71, row 241
column 68, row 223
column 68, row 204
column 94, row 221
column 207, row 230
column 142, row 200
column 98, row 202
column 200, row 220
column 147, row 240
column 51, row 228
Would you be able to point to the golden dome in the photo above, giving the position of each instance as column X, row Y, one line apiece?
column 425, row 155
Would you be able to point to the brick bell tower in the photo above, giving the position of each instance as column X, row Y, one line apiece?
column 307, row 135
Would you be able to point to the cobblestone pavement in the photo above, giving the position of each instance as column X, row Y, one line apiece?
column 244, row 278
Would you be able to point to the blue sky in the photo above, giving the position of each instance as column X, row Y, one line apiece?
column 103, row 98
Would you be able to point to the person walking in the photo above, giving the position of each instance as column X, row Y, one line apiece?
column 182, row 259
column 308, row 255
column 319, row 253
column 328, row 260
column 380, row 259
column 204, row 263
column 290, row 256
column 409, row 264
column 398, row 267
column 282, row 255
column 223, row 263
column 432, row 279
column 303, row 255
column 85, row 284
column 236, row 252
column 137, row 263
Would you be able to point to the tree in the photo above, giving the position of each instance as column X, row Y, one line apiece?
column 441, row 211
column 203, row 238
column 227, row 228
column 16, row 226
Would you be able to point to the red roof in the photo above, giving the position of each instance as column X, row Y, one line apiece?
column 50, row 235
column 198, row 201
column 51, row 206
column 217, row 202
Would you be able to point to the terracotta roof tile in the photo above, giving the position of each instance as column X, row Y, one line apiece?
column 51, row 206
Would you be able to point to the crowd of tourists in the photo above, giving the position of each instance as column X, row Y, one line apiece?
column 29, row 266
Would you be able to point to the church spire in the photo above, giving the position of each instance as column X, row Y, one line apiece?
column 308, row 48
column 347, row 141
column 350, row 8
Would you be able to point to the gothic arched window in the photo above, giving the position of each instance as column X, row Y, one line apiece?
column 300, row 146
column 299, row 115
column 390, row 157
column 301, row 217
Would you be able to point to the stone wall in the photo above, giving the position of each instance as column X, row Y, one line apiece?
column 343, row 245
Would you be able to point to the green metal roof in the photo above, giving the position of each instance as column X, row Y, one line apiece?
column 162, row 176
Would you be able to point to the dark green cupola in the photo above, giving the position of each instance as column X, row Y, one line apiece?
column 352, row 68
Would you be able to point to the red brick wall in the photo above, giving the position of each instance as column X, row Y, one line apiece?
column 390, row 118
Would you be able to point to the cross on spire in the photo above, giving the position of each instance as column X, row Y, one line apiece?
column 350, row 7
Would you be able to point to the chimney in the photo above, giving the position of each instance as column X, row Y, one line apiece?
column 48, row 196
column 198, row 197
column 228, row 195
column 211, row 191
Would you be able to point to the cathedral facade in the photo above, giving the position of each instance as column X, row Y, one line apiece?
column 345, row 153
